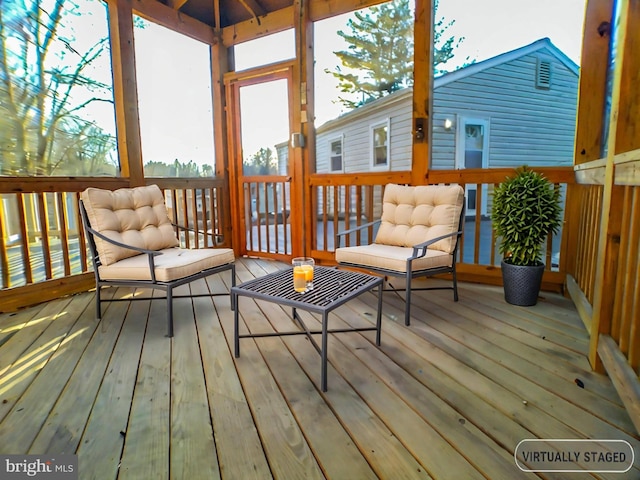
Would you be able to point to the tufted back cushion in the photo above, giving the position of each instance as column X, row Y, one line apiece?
column 133, row 216
column 412, row 215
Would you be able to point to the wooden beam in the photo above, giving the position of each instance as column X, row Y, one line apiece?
column 125, row 90
column 580, row 301
column 423, row 80
column 611, row 217
column 284, row 19
column 157, row 12
column 321, row 9
column 624, row 378
column 274, row 22
column 591, row 173
column 593, row 80
column 176, row 4
column 11, row 299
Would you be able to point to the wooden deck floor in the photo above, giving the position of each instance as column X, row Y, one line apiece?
column 449, row 397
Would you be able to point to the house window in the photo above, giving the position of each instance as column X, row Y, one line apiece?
column 543, row 74
column 380, row 145
column 336, row 156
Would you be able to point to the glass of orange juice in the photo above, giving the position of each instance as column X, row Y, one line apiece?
column 303, row 274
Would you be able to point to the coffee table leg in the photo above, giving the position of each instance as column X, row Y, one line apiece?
column 379, row 321
column 324, row 352
column 236, row 321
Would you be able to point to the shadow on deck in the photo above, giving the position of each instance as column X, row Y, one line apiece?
column 449, row 397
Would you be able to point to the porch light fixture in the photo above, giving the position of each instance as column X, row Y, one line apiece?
column 448, row 124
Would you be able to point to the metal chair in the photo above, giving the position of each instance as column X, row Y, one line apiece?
column 418, row 236
column 133, row 243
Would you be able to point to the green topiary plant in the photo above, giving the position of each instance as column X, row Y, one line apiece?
column 526, row 208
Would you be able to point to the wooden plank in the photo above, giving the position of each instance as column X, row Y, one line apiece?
column 477, row 338
column 331, row 445
column 192, row 445
column 239, row 456
column 63, row 428
column 147, row 442
column 27, row 351
column 623, row 377
column 287, row 450
column 477, row 397
column 556, row 359
column 47, row 368
column 101, row 445
column 580, row 301
column 419, row 438
column 12, row 323
column 480, row 450
column 12, row 299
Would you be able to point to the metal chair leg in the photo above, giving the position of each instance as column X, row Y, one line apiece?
column 407, row 300
column 170, row 311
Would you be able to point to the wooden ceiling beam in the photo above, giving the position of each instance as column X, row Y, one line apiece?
column 283, row 19
column 161, row 14
column 216, row 14
column 176, row 4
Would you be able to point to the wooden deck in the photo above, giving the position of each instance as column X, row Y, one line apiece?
column 449, row 397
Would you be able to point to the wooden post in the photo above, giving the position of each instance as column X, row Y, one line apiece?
column 611, row 218
column 590, row 118
column 422, row 82
column 125, row 90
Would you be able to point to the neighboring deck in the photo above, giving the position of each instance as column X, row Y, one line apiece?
column 449, row 397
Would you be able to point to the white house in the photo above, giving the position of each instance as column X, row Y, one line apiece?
column 513, row 109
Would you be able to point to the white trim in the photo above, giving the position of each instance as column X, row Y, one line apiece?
column 331, row 141
column 542, row 44
column 372, row 151
column 462, row 122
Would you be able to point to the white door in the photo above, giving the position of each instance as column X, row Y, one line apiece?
column 472, row 151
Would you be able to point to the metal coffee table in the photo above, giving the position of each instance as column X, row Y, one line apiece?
column 332, row 288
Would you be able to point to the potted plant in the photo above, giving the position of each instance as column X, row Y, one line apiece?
column 526, row 208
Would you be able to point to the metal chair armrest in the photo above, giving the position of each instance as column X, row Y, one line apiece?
column 420, row 250
column 150, row 253
column 339, row 235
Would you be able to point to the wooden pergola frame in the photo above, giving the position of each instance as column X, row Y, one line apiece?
column 600, row 245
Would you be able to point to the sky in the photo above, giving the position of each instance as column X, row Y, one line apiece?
column 174, row 83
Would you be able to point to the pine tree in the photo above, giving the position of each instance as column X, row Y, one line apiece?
column 379, row 58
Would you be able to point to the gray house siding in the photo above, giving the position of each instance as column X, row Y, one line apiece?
column 355, row 130
column 527, row 125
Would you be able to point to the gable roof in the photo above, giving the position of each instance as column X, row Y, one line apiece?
column 383, row 102
column 542, row 44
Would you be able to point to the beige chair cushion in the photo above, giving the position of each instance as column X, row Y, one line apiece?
column 391, row 257
column 412, row 215
column 174, row 263
column 133, row 216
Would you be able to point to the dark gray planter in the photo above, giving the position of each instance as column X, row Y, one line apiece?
column 521, row 283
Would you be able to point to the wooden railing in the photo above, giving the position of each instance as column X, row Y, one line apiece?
column 344, row 201
column 607, row 293
column 41, row 242
column 43, row 252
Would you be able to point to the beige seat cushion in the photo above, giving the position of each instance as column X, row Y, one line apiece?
column 412, row 215
column 174, row 263
column 391, row 257
column 133, row 216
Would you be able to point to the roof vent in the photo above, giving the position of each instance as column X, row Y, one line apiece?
column 543, row 74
